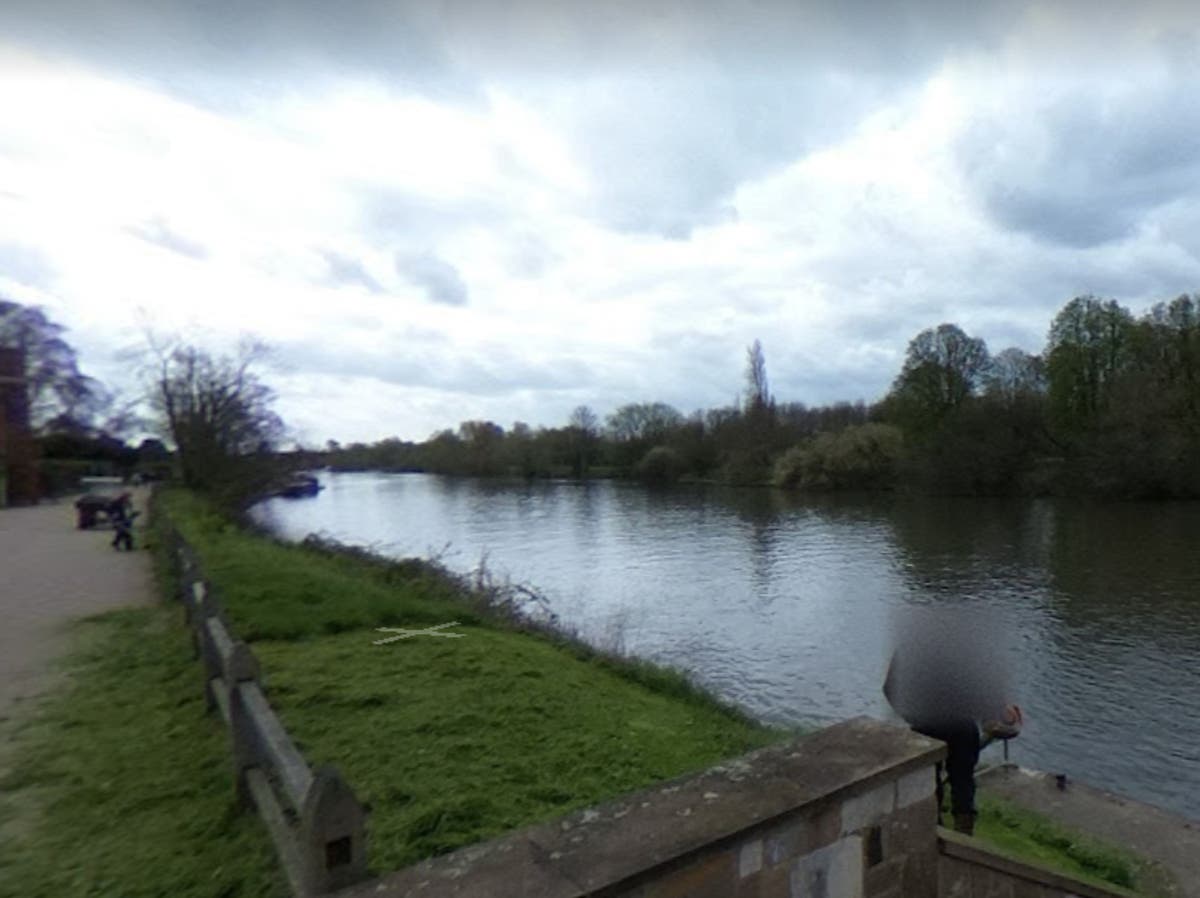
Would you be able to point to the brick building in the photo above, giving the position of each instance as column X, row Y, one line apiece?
column 18, row 469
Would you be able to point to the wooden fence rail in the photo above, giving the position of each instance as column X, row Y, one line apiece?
column 316, row 822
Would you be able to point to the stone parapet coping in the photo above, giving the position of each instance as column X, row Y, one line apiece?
column 611, row 848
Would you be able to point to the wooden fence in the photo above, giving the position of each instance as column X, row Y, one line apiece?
column 317, row 824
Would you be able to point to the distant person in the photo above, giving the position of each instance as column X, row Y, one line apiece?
column 947, row 682
column 122, row 520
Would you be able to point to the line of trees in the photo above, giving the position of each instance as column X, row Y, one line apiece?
column 74, row 422
column 214, row 413
column 652, row 441
column 1111, row 406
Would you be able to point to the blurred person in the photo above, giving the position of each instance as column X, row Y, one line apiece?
column 122, row 515
column 947, row 680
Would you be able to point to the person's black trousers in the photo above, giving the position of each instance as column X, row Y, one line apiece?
column 962, row 754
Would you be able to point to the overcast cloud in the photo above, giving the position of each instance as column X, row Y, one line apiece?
column 438, row 212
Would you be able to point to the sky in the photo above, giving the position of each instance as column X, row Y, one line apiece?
column 442, row 211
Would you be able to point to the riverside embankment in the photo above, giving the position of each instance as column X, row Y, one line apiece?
column 784, row 604
column 449, row 739
column 452, row 740
column 541, row 719
column 1169, row 842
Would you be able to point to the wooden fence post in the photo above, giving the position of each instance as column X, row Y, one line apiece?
column 193, row 601
column 233, row 660
column 245, row 746
column 188, row 572
column 319, row 827
column 172, row 542
column 209, row 652
column 333, row 833
column 241, row 665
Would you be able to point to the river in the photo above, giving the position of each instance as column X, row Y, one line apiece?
column 785, row 605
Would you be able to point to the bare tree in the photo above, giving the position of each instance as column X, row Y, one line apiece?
column 1014, row 375
column 583, row 418
column 220, row 415
column 55, row 387
column 584, row 428
column 758, row 394
column 643, row 421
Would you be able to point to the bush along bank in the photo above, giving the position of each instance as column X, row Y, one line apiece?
column 455, row 738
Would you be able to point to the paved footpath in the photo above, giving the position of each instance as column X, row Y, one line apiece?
column 1171, row 840
column 50, row 574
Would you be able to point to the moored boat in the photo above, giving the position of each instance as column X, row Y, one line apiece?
column 299, row 486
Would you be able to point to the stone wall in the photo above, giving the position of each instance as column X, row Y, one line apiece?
column 968, row 870
column 847, row 812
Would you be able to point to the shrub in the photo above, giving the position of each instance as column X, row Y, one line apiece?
column 660, row 466
column 862, row 456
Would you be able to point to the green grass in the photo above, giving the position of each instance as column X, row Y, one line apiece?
column 120, row 785
column 457, row 740
column 451, row 740
column 1033, row 837
column 277, row 591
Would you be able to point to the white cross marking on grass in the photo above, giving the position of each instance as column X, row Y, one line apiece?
column 428, row 631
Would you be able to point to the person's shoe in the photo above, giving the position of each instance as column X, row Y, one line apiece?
column 965, row 824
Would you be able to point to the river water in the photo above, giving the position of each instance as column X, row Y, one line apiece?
column 786, row 605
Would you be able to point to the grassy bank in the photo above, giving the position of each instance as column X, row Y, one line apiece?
column 1033, row 837
column 120, row 785
column 451, row 740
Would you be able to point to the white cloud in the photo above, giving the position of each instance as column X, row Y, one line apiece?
column 470, row 236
